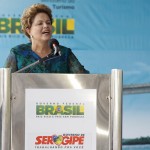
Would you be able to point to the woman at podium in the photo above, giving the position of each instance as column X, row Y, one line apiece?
column 42, row 54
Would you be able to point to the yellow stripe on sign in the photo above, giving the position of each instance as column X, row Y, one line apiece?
column 54, row 25
column 70, row 24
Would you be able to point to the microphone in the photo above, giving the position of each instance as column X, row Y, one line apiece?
column 54, row 44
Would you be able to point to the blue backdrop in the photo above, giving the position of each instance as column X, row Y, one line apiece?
column 103, row 34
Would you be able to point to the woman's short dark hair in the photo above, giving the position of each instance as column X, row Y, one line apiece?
column 30, row 13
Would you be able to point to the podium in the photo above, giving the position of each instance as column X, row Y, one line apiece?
column 62, row 109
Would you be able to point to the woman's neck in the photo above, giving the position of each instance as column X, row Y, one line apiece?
column 41, row 49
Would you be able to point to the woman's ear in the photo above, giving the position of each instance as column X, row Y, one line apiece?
column 28, row 30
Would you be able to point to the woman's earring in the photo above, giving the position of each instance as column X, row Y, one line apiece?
column 31, row 36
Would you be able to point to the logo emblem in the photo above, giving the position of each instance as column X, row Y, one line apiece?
column 57, row 139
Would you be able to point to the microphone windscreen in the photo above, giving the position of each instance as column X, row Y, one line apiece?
column 53, row 41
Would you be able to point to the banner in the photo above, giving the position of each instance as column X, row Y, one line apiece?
column 103, row 34
column 60, row 121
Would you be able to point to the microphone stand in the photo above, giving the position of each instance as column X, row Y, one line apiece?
column 49, row 56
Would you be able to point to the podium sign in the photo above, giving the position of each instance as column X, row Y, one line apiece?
column 61, row 111
column 60, row 118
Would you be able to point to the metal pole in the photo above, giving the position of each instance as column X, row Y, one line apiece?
column 116, row 110
column 136, row 88
column 5, row 109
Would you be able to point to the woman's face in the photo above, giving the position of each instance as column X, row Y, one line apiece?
column 41, row 28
